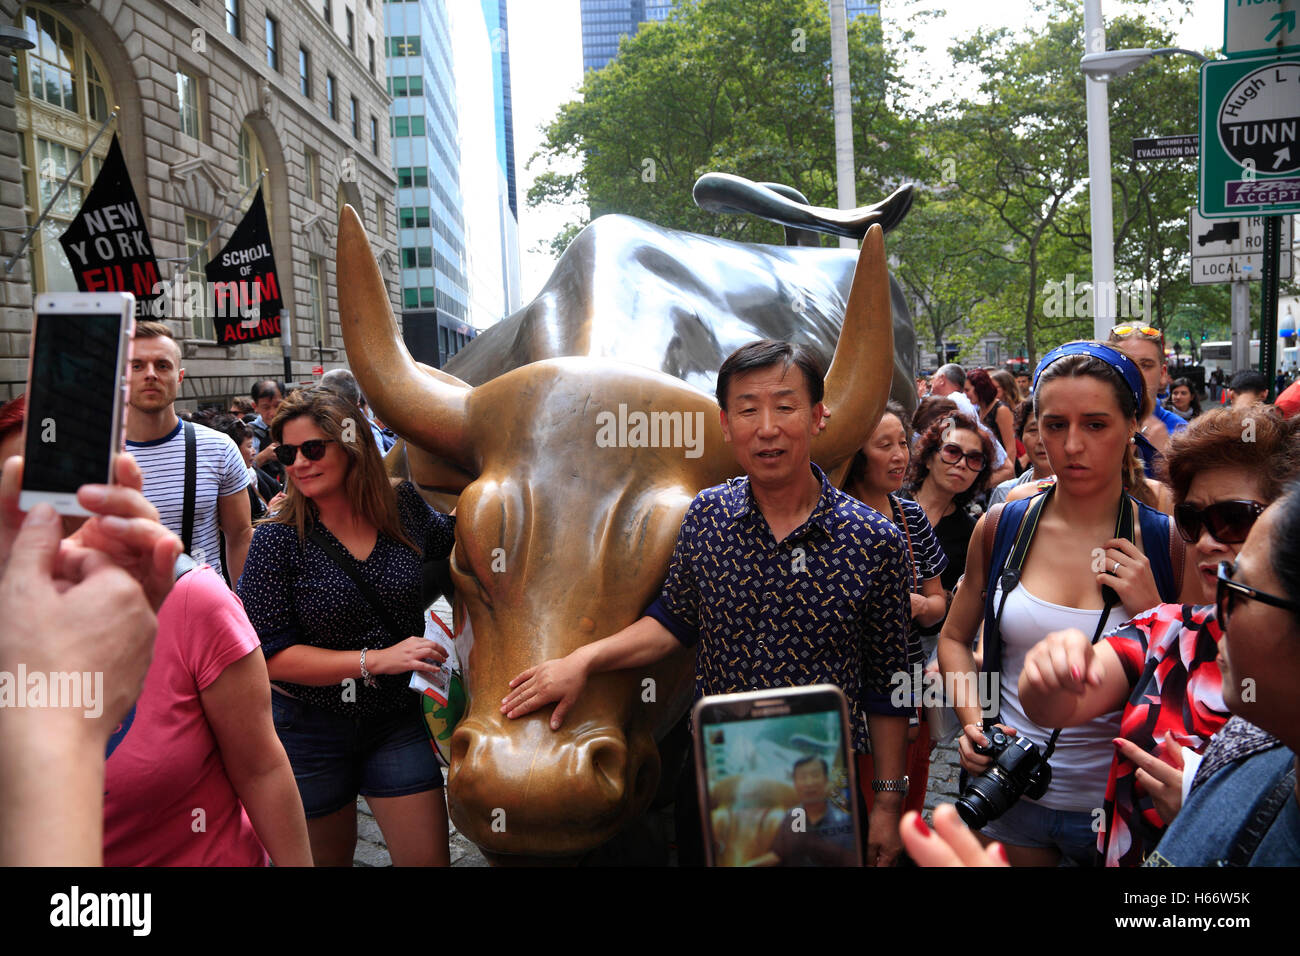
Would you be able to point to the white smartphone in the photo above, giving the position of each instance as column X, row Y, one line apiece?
column 76, row 395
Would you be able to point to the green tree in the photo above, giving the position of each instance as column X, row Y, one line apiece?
column 738, row 86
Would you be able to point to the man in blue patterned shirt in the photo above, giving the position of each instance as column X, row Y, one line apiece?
column 780, row 579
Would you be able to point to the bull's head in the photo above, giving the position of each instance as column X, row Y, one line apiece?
column 561, row 541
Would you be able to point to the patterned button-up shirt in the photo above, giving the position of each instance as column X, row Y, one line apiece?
column 826, row 605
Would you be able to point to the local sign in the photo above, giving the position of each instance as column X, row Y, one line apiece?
column 1232, row 250
column 1250, row 152
column 1252, row 27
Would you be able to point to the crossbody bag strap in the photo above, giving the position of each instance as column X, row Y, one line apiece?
column 1010, row 577
column 191, row 481
column 911, row 558
column 348, row 565
column 1253, row 833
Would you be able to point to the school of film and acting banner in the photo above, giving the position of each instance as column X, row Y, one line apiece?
column 107, row 244
column 243, row 283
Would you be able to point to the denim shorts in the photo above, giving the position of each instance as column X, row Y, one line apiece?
column 334, row 758
column 1033, row 825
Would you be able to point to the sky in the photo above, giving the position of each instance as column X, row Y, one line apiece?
column 546, row 71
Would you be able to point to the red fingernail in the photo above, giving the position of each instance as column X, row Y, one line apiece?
column 1074, row 672
column 1001, row 852
column 1117, row 741
column 921, row 828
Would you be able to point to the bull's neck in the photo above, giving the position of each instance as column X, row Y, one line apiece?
column 786, row 506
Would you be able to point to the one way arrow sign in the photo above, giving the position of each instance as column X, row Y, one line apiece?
column 1258, row 27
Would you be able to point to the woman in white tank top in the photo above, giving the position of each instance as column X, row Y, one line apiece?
column 1086, row 399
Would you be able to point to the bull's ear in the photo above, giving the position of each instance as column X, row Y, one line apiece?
column 862, row 370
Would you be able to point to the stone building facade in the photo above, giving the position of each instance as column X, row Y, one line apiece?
column 208, row 92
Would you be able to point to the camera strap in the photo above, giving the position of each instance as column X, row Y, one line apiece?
column 191, row 481
column 1015, row 562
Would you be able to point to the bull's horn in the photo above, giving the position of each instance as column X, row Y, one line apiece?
column 858, row 382
column 427, row 411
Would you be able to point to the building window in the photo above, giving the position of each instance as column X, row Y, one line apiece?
column 409, row 217
column 232, row 18
column 252, row 163
column 352, row 30
column 328, row 13
column 311, row 170
column 316, row 279
column 304, row 72
column 356, row 117
column 331, row 96
column 370, row 46
column 189, row 104
column 272, row 43
column 408, row 125
column 404, row 46
column 196, row 239
column 374, row 136
column 381, row 213
column 406, row 85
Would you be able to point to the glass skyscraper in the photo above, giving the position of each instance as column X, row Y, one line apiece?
column 426, row 155
column 604, row 22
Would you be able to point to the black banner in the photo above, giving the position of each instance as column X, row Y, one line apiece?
column 245, row 290
column 108, row 244
column 1167, row 147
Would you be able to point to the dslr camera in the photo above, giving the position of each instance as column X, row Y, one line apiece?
column 1018, row 769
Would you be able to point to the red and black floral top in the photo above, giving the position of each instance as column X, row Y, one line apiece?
column 1168, row 654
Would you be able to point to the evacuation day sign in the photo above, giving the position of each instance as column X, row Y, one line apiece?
column 107, row 243
column 244, row 286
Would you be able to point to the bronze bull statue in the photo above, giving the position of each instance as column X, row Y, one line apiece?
column 563, row 538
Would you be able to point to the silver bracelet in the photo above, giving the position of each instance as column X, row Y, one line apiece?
column 894, row 786
column 367, row 677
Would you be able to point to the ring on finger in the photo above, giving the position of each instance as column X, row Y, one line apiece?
column 1115, row 569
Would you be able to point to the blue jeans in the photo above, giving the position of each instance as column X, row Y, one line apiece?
column 334, row 758
column 1033, row 825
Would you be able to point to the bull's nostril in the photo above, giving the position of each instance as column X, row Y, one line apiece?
column 463, row 740
column 609, row 764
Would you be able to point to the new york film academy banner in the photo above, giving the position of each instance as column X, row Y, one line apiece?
column 244, row 286
column 107, row 243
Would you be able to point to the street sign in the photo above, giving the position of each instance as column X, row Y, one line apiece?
column 1250, row 151
column 1232, row 250
column 1166, row 147
column 1256, row 27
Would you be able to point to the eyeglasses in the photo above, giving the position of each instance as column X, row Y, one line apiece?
column 313, row 450
column 1121, row 331
column 951, row 454
column 1228, row 521
column 1223, row 595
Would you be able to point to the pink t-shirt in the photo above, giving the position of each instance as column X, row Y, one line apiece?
column 167, row 798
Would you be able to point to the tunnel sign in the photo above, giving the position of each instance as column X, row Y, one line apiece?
column 1250, row 151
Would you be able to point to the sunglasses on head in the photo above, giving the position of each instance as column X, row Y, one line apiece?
column 1123, row 331
column 951, row 454
column 1227, row 590
column 1227, row 521
column 313, row 450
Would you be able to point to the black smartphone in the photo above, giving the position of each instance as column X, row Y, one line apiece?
column 76, row 395
column 776, row 778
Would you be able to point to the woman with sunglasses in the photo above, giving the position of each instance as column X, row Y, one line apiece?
column 1243, row 803
column 950, row 468
column 874, row 477
column 1041, row 567
column 333, row 585
column 1161, row 667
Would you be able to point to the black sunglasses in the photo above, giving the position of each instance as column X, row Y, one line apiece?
column 313, row 450
column 1227, row 587
column 1228, row 521
column 951, row 454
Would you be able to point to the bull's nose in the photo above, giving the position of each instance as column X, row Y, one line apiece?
column 556, row 792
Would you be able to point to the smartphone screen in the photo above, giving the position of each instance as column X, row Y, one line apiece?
column 71, row 400
column 776, row 779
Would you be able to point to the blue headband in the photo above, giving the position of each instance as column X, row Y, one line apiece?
column 1106, row 353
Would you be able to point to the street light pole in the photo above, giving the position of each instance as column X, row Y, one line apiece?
column 842, row 104
column 1103, row 224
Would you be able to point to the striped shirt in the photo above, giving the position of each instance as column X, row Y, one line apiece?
column 928, row 561
column 220, row 471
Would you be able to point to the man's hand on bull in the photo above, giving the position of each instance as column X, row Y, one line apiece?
column 559, row 680
column 412, row 654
